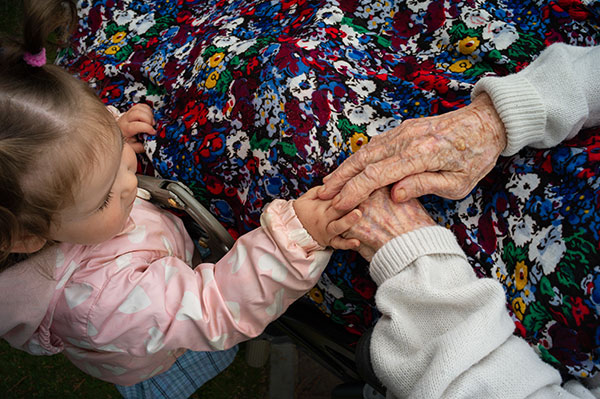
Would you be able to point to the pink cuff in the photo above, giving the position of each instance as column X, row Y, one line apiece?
column 280, row 217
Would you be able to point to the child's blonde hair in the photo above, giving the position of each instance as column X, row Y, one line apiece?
column 54, row 128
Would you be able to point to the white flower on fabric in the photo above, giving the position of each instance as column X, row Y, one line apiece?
column 474, row 18
column 330, row 15
column 242, row 47
column 267, row 262
column 351, row 36
column 362, row 87
column 381, row 125
column 302, row 86
column 155, row 342
column 501, row 34
column 276, row 308
column 359, row 114
column 238, row 258
column 417, row 5
column 523, row 185
column 191, row 309
column 524, row 231
column 548, row 247
column 77, row 293
column 136, row 301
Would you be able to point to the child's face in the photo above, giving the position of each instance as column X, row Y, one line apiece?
column 103, row 202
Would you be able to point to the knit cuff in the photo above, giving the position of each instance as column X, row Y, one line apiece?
column 403, row 250
column 519, row 106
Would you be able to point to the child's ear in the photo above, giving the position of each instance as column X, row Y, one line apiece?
column 29, row 243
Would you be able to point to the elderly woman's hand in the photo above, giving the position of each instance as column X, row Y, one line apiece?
column 444, row 155
column 382, row 219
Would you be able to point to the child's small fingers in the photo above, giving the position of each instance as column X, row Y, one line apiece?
column 134, row 128
column 339, row 242
column 142, row 113
column 344, row 223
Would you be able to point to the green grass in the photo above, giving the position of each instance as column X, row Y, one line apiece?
column 27, row 376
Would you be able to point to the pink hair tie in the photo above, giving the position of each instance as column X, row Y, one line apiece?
column 35, row 60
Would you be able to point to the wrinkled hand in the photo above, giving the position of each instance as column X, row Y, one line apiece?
column 324, row 223
column 444, row 155
column 383, row 219
column 138, row 119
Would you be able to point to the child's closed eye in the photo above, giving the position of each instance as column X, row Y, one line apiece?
column 106, row 202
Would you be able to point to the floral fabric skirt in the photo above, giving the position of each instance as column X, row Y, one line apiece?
column 256, row 100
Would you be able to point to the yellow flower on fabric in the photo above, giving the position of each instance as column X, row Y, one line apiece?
column 521, row 275
column 113, row 50
column 358, row 140
column 468, row 45
column 460, row 66
column 316, row 295
column 117, row 37
column 216, row 59
column 519, row 307
column 212, row 80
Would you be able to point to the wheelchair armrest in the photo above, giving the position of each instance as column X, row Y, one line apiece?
column 174, row 194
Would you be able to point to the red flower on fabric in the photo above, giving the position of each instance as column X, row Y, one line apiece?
column 194, row 112
column 91, row 69
column 214, row 185
column 113, row 91
column 579, row 310
column 212, row 143
column 365, row 288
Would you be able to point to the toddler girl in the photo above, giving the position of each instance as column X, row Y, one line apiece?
column 105, row 277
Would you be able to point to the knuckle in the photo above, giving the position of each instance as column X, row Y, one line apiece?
column 371, row 172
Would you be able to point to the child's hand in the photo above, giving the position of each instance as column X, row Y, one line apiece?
column 324, row 223
column 137, row 120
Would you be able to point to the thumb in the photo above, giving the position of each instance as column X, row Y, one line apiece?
column 414, row 186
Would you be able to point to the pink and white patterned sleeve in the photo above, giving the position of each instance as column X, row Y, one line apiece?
column 166, row 305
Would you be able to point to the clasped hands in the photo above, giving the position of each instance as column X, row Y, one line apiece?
column 446, row 155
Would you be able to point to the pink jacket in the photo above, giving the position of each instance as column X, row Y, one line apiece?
column 124, row 310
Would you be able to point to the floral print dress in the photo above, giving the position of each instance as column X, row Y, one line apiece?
column 257, row 100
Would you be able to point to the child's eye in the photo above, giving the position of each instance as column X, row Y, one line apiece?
column 106, row 202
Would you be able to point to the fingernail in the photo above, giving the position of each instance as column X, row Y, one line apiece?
column 400, row 195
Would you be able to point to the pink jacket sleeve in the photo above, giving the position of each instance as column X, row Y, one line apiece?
column 167, row 306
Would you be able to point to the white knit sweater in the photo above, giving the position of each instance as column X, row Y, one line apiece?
column 444, row 333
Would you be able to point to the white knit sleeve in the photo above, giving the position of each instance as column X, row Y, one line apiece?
column 444, row 333
column 550, row 100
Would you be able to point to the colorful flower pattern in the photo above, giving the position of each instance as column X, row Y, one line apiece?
column 256, row 100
